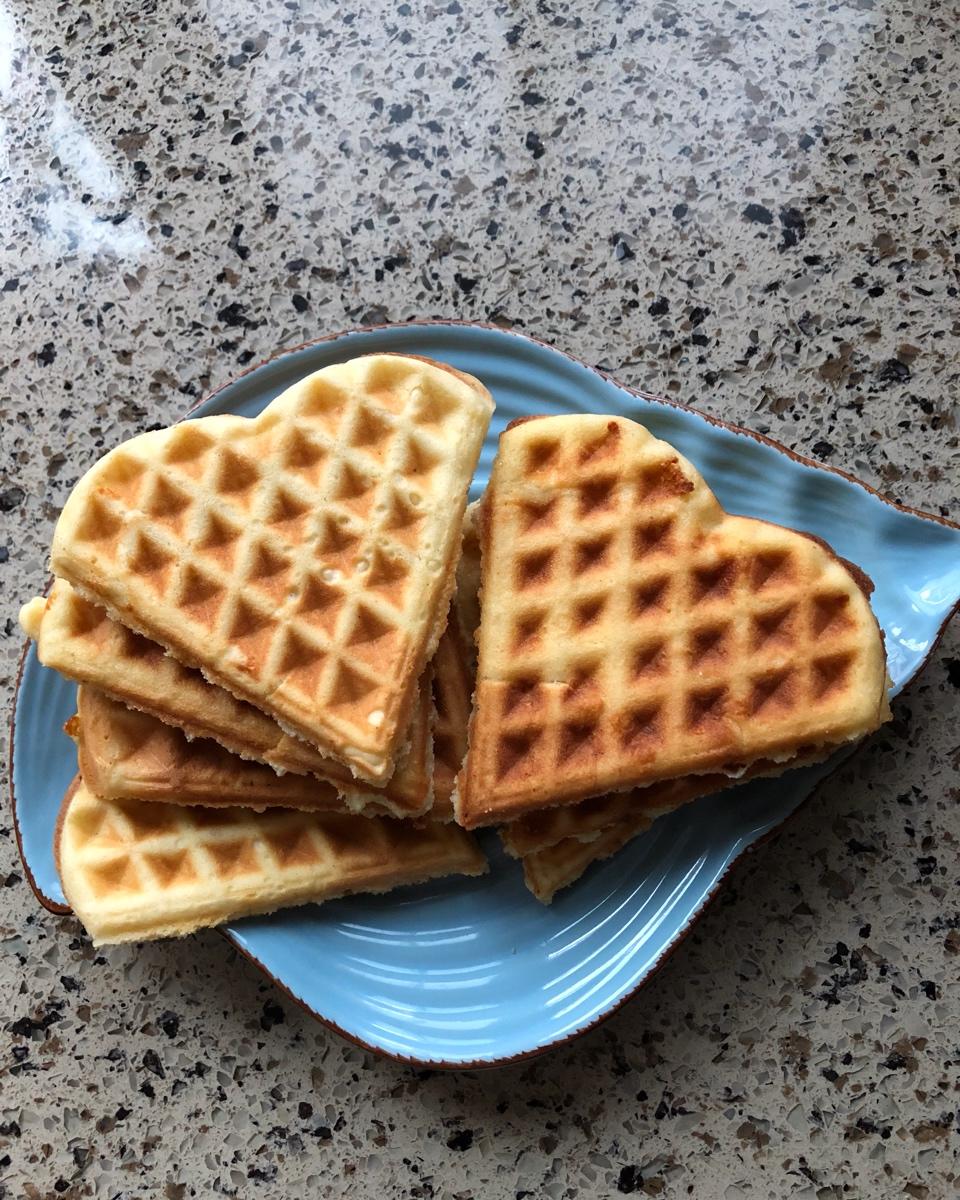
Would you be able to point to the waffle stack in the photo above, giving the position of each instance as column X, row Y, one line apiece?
column 639, row 647
column 306, row 668
column 252, row 607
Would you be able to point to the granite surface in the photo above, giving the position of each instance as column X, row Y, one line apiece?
column 753, row 210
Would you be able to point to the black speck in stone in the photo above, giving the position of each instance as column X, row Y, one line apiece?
column 758, row 214
column 461, row 1140
column 699, row 339
column 622, row 252
column 47, row 354
column 153, row 1064
column 877, row 290
column 296, row 265
column 11, row 285
column 894, row 1061
column 953, row 671
column 822, row 449
column 234, row 315
column 272, row 1015
column 512, row 35
column 465, row 283
column 400, row 113
column 830, row 1073
column 238, row 137
column 146, row 1088
column 793, row 228
column 4, row 554
column 698, row 316
column 805, row 142
column 812, row 260
column 894, row 371
column 69, row 984
column 12, row 498
column 629, row 1180
column 237, row 60
column 304, row 1110
column 534, row 144
column 393, row 150
column 300, row 303
column 166, row 230
column 532, row 99
column 660, row 307
column 169, row 1022
column 929, row 989
column 493, row 229
column 679, row 211
column 927, row 865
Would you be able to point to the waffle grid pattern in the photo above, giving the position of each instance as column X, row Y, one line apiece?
column 78, row 639
column 125, row 754
column 304, row 552
column 134, row 870
column 641, row 633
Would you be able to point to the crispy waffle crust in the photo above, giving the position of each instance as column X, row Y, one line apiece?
column 129, row 755
column 452, row 690
column 132, row 870
column 78, row 639
column 303, row 559
column 634, row 632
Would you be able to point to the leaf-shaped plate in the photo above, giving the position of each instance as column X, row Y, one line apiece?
column 476, row 972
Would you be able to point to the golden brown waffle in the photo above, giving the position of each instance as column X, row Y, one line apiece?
column 547, row 871
column 466, row 599
column 635, row 632
column 557, row 845
column 133, row 870
column 452, row 689
column 129, row 755
column 80, row 641
column 303, row 559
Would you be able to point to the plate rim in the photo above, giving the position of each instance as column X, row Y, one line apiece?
column 57, row 909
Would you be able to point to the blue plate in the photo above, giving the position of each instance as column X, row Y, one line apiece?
column 477, row 972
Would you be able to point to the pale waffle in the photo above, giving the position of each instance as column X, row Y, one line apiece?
column 303, row 559
column 452, row 689
column 133, row 870
column 634, row 632
column 80, row 641
column 128, row 755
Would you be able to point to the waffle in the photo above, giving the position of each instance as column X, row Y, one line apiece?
column 302, row 559
column 635, row 632
column 452, row 689
column 133, row 870
column 80, row 641
column 129, row 755
column 556, row 846
column 466, row 598
column 547, row 871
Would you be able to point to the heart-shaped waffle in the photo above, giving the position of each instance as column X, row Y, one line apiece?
column 134, row 869
column 632, row 631
column 302, row 559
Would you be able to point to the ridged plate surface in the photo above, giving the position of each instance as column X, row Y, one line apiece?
column 477, row 971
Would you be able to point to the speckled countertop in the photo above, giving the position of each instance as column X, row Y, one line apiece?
column 752, row 210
